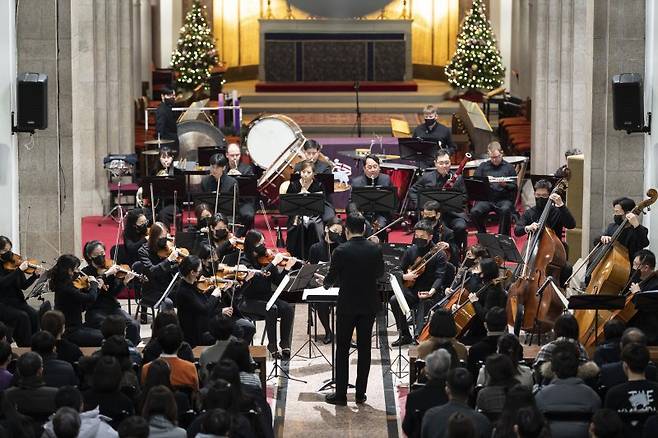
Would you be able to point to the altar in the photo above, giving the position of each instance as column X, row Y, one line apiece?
column 327, row 50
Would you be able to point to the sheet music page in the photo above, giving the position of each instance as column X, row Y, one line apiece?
column 397, row 290
column 278, row 291
column 332, row 291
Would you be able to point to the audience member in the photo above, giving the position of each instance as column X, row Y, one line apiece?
column 565, row 329
column 609, row 351
column 518, row 397
column 159, row 373
column 31, row 396
column 5, row 357
column 509, row 345
column 183, row 373
column 221, row 328
column 442, row 331
column 613, row 373
column 461, row 426
column 606, row 424
column 161, row 413
column 530, row 424
column 53, row 321
column 502, row 376
column 238, row 352
column 105, row 392
column 153, row 349
column 56, row 373
column 134, row 427
column 115, row 325
column 458, row 388
column 495, row 322
column 66, row 423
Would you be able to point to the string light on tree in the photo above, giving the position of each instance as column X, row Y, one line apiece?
column 195, row 53
column 476, row 63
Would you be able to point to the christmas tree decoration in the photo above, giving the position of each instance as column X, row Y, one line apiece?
column 476, row 64
column 195, row 53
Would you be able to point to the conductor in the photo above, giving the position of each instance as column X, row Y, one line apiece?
column 355, row 267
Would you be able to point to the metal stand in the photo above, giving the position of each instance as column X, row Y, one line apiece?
column 311, row 344
column 401, row 371
column 275, row 373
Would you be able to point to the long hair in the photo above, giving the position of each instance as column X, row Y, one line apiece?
column 160, row 401
column 58, row 274
column 251, row 240
column 158, row 230
column 129, row 232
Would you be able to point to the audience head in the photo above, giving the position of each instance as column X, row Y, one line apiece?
column 134, row 427
column 69, row 397
column 355, row 224
column 221, row 327
column 226, row 369
column 221, row 394
column 459, row 384
column 606, row 424
column 43, row 343
column 509, row 345
column 635, row 358
column 160, row 401
column 162, row 320
column 566, row 326
column 517, row 397
column 113, row 325
column 159, row 373
column 437, row 364
column 502, row 371
column 117, row 347
column 530, row 423
column 442, row 324
column 460, row 426
column 170, row 338
column 66, row 423
column 238, row 352
column 488, row 269
column 613, row 329
column 29, row 365
column 107, row 374
column 5, row 354
column 633, row 335
column 565, row 359
column 216, row 423
column 496, row 319
column 53, row 321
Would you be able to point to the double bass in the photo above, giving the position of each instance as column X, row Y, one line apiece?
column 608, row 271
column 544, row 256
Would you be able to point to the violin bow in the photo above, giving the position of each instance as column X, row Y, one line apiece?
column 235, row 197
column 216, row 196
column 152, row 203
column 267, row 222
column 386, row 227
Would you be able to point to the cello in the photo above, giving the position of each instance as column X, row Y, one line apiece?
column 544, row 256
column 608, row 271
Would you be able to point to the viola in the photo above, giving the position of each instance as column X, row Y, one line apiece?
column 171, row 247
column 269, row 257
column 16, row 260
column 418, row 267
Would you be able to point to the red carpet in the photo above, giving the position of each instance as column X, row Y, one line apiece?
column 330, row 87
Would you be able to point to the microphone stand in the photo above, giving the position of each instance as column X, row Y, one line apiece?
column 358, row 108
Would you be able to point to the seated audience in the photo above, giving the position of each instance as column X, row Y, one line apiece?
column 66, row 423
column 161, row 413
column 531, row 424
column 509, row 345
column 502, row 376
column 53, row 321
column 238, row 352
column 159, row 373
column 460, row 426
column 183, row 373
column 609, row 351
column 613, row 373
column 217, row 423
column 134, row 427
column 606, row 424
column 431, row 394
column 567, row 402
column 5, row 357
column 31, row 396
column 458, row 388
column 518, row 397
column 442, row 331
column 221, row 328
column 105, row 392
column 56, row 373
column 495, row 322
column 153, row 349
column 115, row 325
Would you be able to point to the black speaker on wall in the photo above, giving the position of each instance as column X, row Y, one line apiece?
column 628, row 103
column 32, row 102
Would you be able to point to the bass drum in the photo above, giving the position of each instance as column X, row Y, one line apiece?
column 269, row 137
column 194, row 134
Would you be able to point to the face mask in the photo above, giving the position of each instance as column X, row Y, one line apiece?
column 7, row 256
column 99, row 260
column 221, row 234
column 469, row 262
column 162, row 242
column 260, row 250
column 334, row 237
column 141, row 229
column 540, row 203
column 420, row 242
column 619, row 218
column 204, row 222
column 429, row 123
column 170, row 101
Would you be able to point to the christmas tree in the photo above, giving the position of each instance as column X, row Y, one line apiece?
column 195, row 53
column 476, row 63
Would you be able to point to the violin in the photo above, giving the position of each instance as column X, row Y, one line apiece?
column 81, row 281
column 269, row 257
column 171, row 247
column 418, row 267
column 16, row 260
column 209, row 284
column 123, row 271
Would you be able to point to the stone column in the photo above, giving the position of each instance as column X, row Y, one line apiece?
column 501, row 16
column 146, row 44
column 170, row 22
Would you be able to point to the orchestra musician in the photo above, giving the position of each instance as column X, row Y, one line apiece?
column 257, row 290
column 645, row 279
column 321, row 252
column 159, row 269
column 431, row 129
column 72, row 300
column 203, row 215
column 558, row 219
column 164, row 205
column 236, row 167
column 502, row 176
column 165, row 120
column 135, row 232
column 372, row 177
column 14, row 310
column 107, row 303
column 437, row 179
column 311, row 226
column 355, row 267
column 441, row 233
column 223, row 240
column 633, row 238
column 312, row 153
column 165, row 165
column 426, row 283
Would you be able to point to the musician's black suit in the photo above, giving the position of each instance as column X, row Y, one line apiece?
column 382, row 180
column 355, row 267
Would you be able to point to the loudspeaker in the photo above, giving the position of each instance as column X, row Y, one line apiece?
column 32, row 101
column 628, row 102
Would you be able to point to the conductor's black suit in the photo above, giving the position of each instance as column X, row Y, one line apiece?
column 355, row 267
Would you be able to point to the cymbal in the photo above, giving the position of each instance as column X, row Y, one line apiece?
column 151, row 152
column 158, row 141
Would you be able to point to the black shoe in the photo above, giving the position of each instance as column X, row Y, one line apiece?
column 333, row 400
column 276, row 355
column 285, row 353
column 361, row 399
column 402, row 340
column 328, row 338
column 353, row 345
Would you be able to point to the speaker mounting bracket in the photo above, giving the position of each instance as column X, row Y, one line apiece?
column 645, row 129
column 15, row 129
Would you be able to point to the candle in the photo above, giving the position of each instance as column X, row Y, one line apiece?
column 236, row 114
column 220, row 112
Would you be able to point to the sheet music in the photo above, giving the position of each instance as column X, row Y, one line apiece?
column 331, row 292
column 399, row 295
column 277, row 292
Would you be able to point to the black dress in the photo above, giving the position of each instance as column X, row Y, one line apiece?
column 72, row 302
column 304, row 231
column 14, row 310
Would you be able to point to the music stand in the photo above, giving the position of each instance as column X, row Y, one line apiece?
column 224, row 202
column 375, row 199
column 419, row 150
column 247, row 185
column 189, row 240
column 500, row 245
column 450, row 201
column 596, row 303
column 647, row 301
column 478, row 188
column 301, row 204
column 164, row 186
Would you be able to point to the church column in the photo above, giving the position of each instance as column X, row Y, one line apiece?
column 146, row 44
column 170, row 22
column 500, row 15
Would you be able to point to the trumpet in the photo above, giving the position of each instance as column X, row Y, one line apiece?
column 502, row 179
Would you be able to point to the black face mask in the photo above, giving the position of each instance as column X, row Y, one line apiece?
column 619, row 218
column 221, row 234
column 170, row 101
column 469, row 262
column 6, row 256
column 99, row 260
column 540, row 203
column 429, row 123
column 260, row 250
column 162, row 242
column 141, row 229
column 420, row 242
column 334, row 237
